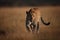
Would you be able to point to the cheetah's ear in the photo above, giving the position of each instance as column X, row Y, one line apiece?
column 26, row 12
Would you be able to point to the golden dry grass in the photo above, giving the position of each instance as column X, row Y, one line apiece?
column 12, row 21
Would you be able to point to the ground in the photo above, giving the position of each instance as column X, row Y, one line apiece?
column 12, row 22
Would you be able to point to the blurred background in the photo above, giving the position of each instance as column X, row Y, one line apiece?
column 29, row 2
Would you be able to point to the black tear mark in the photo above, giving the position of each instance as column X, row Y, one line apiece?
column 2, row 32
